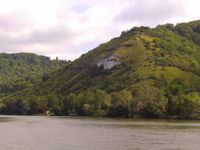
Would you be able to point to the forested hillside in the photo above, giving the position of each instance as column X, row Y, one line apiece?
column 146, row 72
column 22, row 70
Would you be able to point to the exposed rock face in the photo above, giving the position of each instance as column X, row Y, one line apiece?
column 108, row 63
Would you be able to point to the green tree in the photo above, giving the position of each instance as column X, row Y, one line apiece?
column 88, row 109
column 101, row 100
column 187, row 106
column 121, row 103
column 149, row 101
column 38, row 105
column 54, row 105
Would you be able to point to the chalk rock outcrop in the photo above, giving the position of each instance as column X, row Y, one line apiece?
column 109, row 62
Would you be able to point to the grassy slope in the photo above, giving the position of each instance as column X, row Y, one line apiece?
column 159, row 56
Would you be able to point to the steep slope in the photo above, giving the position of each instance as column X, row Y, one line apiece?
column 146, row 72
column 21, row 70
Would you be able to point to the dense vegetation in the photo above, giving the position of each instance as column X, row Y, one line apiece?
column 22, row 70
column 157, row 76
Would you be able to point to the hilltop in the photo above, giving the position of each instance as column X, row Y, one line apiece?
column 21, row 70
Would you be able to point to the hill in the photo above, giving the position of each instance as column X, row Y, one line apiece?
column 21, row 70
column 146, row 72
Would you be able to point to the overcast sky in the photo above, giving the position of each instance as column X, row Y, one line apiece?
column 69, row 28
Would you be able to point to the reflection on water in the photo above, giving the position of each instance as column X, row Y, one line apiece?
column 6, row 119
column 75, row 133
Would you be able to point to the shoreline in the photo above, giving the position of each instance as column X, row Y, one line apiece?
column 164, row 120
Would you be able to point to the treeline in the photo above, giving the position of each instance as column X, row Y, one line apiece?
column 143, row 101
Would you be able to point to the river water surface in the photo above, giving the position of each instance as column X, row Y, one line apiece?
column 74, row 133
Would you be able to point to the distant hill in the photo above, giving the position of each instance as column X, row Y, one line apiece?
column 146, row 72
column 21, row 70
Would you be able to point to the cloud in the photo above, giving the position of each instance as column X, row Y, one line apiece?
column 13, row 22
column 54, row 35
column 151, row 12
column 70, row 28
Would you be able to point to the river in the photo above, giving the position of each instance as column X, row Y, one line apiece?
column 76, row 133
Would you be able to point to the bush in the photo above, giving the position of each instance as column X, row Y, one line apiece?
column 187, row 106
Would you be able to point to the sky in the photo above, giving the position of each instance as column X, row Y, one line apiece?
column 68, row 28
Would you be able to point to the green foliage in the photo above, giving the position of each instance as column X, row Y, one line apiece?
column 54, row 105
column 149, row 101
column 121, row 103
column 189, row 30
column 187, row 106
column 157, row 75
column 87, row 109
column 22, row 70
column 123, row 97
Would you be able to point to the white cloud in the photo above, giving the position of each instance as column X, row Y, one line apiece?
column 68, row 28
